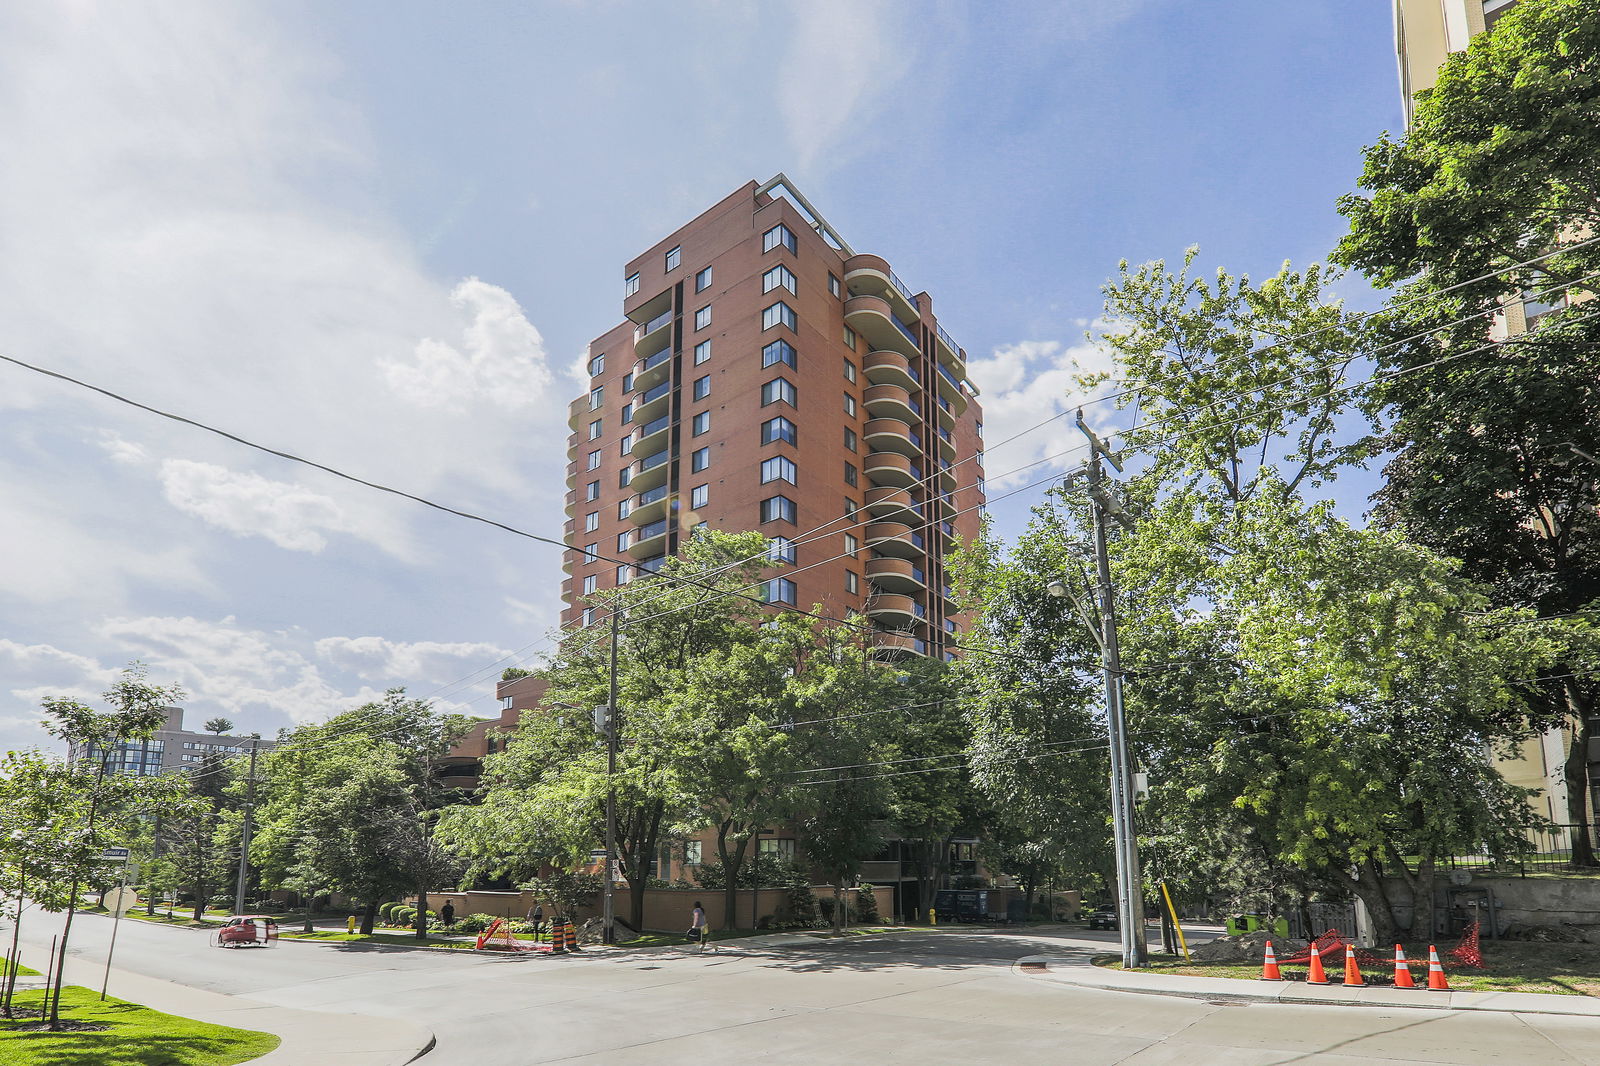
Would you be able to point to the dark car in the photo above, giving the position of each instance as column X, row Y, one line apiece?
column 1104, row 918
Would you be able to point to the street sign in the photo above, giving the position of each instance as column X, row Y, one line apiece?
column 114, row 854
column 121, row 900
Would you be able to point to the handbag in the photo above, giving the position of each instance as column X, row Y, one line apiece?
column 692, row 936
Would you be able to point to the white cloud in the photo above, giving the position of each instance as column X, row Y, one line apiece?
column 843, row 60
column 250, row 505
column 503, row 363
column 1029, row 383
column 376, row 658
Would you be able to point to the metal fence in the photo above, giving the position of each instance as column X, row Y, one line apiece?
column 1543, row 850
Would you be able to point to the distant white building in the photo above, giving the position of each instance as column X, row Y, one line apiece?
column 172, row 748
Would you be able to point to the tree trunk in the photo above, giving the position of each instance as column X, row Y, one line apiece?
column 732, row 863
column 61, row 961
column 1576, row 770
column 369, row 915
column 11, row 970
column 422, row 912
column 1368, row 887
column 839, row 905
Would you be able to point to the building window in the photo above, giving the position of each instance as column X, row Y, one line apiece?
column 624, row 540
column 778, row 590
column 777, row 509
column 594, row 429
column 849, row 371
column 627, row 413
column 980, row 429
column 849, row 405
column 702, row 352
column 624, row 574
column 776, row 429
column 777, row 235
column 849, row 438
column 594, row 459
column 852, row 581
column 849, row 474
column 591, row 521
column 850, row 507
column 588, row 619
column 980, row 485
column 701, row 423
column 834, row 286
column 591, row 583
column 624, row 509
column 699, row 496
column 702, row 317
column 626, row 445
column 778, row 276
column 591, row 552
column 778, row 468
column 630, row 286
column 778, row 390
column 593, row 492
column 851, row 544
column 850, row 338
column 782, row 551
column 627, row 382
column 702, row 387
column 691, row 852
column 702, row 280
column 778, row 352
column 597, row 365
column 779, row 314
column 625, row 477
column 674, row 257
column 699, row 460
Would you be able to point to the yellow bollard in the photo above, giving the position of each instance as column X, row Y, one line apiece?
column 350, row 924
column 933, row 916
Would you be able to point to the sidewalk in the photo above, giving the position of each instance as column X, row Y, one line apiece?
column 310, row 1038
column 1084, row 974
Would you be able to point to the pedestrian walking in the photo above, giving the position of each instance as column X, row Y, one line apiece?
column 536, row 918
column 447, row 914
column 698, row 930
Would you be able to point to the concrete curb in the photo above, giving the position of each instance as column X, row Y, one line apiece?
column 1084, row 974
column 309, row 1038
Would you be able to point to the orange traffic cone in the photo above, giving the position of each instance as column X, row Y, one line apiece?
column 1402, row 972
column 1436, row 981
column 1352, row 974
column 1269, row 966
column 1316, row 976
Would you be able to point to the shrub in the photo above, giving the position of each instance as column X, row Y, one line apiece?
column 474, row 923
column 867, row 904
column 402, row 915
column 385, row 910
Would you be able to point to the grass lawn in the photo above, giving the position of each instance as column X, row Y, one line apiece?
column 134, row 1036
column 331, row 936
column 1508, row 966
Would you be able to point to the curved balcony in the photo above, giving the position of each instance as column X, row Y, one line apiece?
column 890, row 435
column 947, row 444
column 892, row 538
column 652, row 403
column 950, row 388
column 892, row 504
column 874, row 319
column 893, row 609
column 947, row 476
column 649, row 540
column 891, row 401
column 947, row 414
column 652, row 435
column 578, row 414
column 896, row 575
column 649, row 336
column 891, row 468
column 949, row 352
column 651, row 471
column 890, row 368
column 895, row 645
column 653, row 369
column 872, row 274
column 649, row 506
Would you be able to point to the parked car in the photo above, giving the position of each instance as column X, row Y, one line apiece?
column 1104, row 918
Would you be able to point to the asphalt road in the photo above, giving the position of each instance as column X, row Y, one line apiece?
column 926, row 998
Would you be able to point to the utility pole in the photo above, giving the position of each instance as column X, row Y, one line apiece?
column 1130, row 896
column 609, row 928
column 244, row 835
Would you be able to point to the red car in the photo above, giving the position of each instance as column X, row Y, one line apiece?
column 245, row 929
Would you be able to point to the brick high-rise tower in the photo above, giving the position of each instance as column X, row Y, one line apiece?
column 768, row 377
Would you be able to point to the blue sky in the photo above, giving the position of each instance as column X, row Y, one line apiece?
column 380, row 235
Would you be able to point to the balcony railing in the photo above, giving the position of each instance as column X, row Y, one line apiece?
column 654, row 324
column 654, row 394
column 903, row 328
column 652, row 496
column 658, row 424
column 650, row 462
column 904, row 290
column 951, row 378
column 655, row 360
column 951, row 341
column 654, row 529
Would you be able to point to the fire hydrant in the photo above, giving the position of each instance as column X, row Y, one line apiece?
column 933, row 916
column 350, row 924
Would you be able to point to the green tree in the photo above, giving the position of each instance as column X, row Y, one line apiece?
column 1491, row 198
column 105, row 804
column 219, row 725
column 351, row 804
